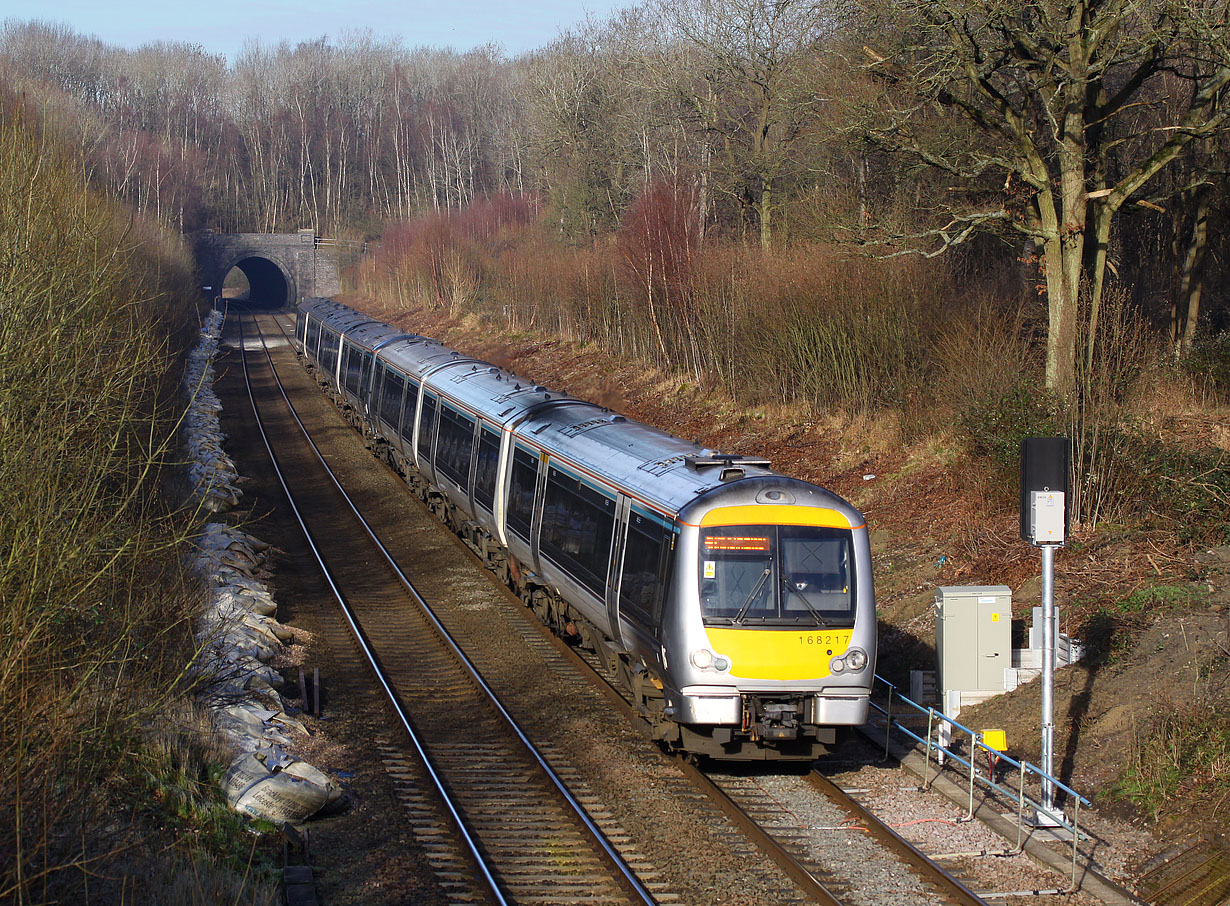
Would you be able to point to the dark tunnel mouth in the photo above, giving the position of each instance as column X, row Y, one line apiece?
column 267, row 284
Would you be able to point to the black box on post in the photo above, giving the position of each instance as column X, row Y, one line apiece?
column 1045, row 466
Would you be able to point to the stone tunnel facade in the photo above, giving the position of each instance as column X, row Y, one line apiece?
column 282, row 269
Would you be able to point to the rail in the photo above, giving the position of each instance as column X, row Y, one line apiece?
column 631, row 882
column 1027, row 773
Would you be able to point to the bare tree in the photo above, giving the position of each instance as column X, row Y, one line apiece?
column 754, row 87
column 1051, row 91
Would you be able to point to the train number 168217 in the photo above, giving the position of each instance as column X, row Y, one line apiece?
column 828, row 639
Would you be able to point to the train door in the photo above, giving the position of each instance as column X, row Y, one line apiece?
column 424, row 436
column 365, row 383
column 409, row 417
column 618, row 545
column 312, row 343
column 486, row 467
column 539, row 496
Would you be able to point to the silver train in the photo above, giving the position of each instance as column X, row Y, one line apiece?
column 734, row 603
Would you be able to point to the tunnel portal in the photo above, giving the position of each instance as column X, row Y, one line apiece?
column 282, row 269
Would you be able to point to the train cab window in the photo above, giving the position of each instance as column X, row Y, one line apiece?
column 454, row 446
column 391, row 387
column 524, row 477
column 577, row 523
column 487, row 467
column 639, row 582
column 776, row 574
column 409, row 409
column 301, row 327
column 429, row 422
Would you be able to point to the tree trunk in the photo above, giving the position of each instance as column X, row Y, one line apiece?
column 1097, row 246
column 1191, row 285
column 766, row 216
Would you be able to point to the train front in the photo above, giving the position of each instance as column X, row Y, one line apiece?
column 771, row 626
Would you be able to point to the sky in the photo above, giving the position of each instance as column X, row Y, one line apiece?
column 222, row 26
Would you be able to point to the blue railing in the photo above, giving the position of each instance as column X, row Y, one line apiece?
column 1028, row 774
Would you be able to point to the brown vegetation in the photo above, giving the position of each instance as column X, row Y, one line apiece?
column 95, row 614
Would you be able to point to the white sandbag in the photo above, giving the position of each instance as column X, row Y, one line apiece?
column 262, row 606
column 291, row 794
column 250, row 720
column 268, row 627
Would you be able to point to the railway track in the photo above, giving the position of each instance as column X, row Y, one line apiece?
column 517, row 826
column 496, row 779
column 820, row 863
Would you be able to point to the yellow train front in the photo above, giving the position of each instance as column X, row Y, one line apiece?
column 768, row 636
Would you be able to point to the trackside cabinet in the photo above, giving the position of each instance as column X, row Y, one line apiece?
column 973, row 639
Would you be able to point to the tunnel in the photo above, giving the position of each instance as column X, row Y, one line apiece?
column 268, row 286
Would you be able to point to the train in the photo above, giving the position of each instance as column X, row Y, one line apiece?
column 734, row 604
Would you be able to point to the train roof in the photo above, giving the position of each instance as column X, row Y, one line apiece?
column 666, row 471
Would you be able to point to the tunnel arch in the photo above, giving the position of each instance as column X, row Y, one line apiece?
column 306, row 263
column 272, row 284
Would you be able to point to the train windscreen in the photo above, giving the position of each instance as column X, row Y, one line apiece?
column 776, row 575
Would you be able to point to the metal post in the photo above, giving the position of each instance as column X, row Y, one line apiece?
column 888, row 723
column 927, row 766
column 973, row 749
column 1048, row 686
column 1020, row 811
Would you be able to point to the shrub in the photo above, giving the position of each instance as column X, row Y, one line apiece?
column 1209, row 361
column 1186, row 748
column 997, row 425
column 1184, row 487
column 93, row 609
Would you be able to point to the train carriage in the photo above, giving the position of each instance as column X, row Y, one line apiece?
column 735, row 603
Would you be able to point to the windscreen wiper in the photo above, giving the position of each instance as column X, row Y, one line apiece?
column 820, row 621
column 751, row 595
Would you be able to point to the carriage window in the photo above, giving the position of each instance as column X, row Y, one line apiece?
column 577, row 522
column 328, row 352
column 638, row 586
column 365, row 376
column 429, row 419
column 488, row 466
column 454, row 446
column 391, row 389
column 353, row 367
column 521, row 492
column 301, row 327
column 313, row 339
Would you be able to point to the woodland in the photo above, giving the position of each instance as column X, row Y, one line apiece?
column 901, row 234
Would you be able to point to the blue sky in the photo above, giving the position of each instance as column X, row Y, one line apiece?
column 221, row 26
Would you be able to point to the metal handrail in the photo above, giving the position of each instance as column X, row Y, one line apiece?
column 361, row 245
column 937, row 719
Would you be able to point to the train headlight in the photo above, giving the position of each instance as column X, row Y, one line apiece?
column 837, row 665
column 721, row 664
column 702, row 658
column 856, row 659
